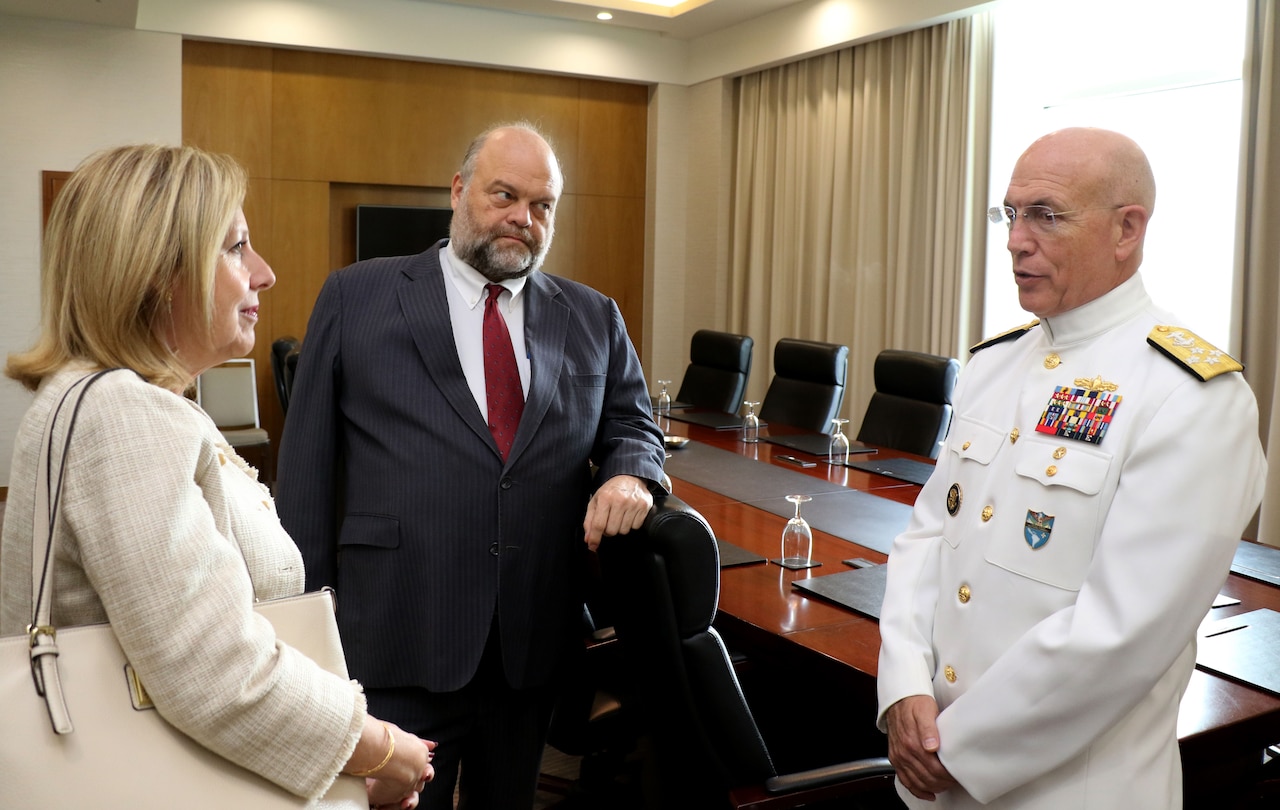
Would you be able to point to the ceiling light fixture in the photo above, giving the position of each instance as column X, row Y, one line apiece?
column 658, row 8
column 604, row 16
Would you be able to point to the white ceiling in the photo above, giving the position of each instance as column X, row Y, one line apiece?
column 712, row 16
column 716, row 39
column 715, row 15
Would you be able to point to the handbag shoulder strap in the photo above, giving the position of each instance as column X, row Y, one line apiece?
column 43, row 637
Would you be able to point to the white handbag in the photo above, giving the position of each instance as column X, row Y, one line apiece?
column 120, row 752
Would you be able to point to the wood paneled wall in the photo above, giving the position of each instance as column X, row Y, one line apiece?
column 320, row 133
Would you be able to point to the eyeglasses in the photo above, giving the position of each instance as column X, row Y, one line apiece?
column 1041, row 218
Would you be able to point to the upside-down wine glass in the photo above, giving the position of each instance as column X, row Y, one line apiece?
column 839, row 443
column 664, row 399
column 797, row 539
column 751, row 424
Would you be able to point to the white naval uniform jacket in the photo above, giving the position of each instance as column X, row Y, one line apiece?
column 1058, row 670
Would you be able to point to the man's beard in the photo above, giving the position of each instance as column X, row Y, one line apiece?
column 486, row 251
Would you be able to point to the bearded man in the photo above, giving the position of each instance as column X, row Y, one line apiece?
column 436, row 469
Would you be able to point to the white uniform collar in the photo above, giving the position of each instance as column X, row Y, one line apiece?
column 1099, row 315
column 468, row 280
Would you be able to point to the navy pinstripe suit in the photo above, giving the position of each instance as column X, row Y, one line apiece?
column 392, row 486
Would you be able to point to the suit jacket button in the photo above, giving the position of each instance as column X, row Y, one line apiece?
column 493, row 549
column 506, row 483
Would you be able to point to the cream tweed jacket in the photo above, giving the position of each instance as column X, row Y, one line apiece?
column 168, row 534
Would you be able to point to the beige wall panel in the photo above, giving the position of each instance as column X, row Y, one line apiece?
column 299, row 254
column 562, row 260
column 612, row 160
column 226, row 102
column 358, row 119
column 610, row 254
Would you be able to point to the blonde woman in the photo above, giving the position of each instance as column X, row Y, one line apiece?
column 148, row 268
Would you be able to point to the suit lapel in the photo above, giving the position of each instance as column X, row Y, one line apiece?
column 546, row 327
column 426, row 311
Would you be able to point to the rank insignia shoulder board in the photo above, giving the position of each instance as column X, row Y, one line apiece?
column 1037, row 529
column 1082, row 411
column 1011, row 334
column 1199, row 358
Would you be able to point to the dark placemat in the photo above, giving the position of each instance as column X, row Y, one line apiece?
column 815, row 444
column 858, row 517
column 1244, row 648
column 861, row 589
column 903, row 469
column 711, row 419
column 731, row 555
column 1257, row 561
column 739, row 477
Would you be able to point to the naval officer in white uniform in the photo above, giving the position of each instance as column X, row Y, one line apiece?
column 1039, row 621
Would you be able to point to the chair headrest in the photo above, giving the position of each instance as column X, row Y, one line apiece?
column 684, row 540
column 281, row 346
column 916, row 375
column 721, row 350
column 810, row 360
column 676, row 550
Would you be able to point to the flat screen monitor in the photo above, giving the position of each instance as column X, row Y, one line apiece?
column 398, row 230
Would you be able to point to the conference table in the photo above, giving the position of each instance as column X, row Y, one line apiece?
column 829, row 653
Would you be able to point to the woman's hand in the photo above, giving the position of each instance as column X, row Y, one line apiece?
column 396, row 764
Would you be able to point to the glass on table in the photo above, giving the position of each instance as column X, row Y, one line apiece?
column 664, row 398
column 797, row 539
column 839, row 443
column 751, row 423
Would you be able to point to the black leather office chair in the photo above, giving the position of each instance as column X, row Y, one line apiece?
column 808, row 384
column 719, row 366
column 291, row 369
column 911, row 408
column 280, row 348
column 708, row 750
column 589, row 721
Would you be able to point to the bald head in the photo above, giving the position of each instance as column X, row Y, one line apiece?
column 1100, row 188
column 520, row 136
column 1102, row 167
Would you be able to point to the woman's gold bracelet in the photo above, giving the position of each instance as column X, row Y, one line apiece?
column 391, row 749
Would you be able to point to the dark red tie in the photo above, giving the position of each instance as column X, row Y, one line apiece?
column 502, row 388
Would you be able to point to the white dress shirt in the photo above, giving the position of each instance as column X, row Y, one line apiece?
column 466, row 295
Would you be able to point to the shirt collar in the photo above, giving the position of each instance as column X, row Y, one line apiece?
column 1099, row 315
column 469, row 281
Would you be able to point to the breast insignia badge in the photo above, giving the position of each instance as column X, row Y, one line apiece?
column 1198, row 357
column 1037, row 529
column 1081, row 411
column 954, row 497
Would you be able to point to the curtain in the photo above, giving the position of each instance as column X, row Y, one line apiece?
column 860, row 182
column 1257, row 261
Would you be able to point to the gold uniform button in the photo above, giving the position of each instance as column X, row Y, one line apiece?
column 987, row 512
column 949, row 673
column 964, row 446
column 1013, row 436
column 1051, row 470
column 1052, row 361
column 964, row 594
column 1060, row 452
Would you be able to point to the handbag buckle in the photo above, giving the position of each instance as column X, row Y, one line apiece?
column 35, row 631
